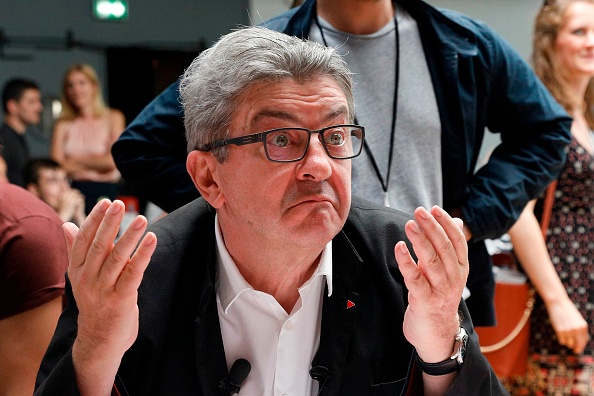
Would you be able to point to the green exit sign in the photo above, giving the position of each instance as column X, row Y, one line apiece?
column 110, row 10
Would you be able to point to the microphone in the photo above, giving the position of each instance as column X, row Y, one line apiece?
column 320, row 374
column 238, row 373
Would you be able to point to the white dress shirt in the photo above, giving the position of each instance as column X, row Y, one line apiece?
column 254, row 326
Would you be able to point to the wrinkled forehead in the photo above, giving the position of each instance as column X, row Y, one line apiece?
column 290, row 100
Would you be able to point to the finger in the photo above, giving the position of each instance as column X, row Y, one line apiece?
column 413, row 277
column 119, row 256
column 429, row 240
column 103, row 242
column 459, row 222
column 568, row 340
column 86, row 233
column 131, row 276
column 579, row 347
column 582, row 339
column 453, row 228
column 70, row 230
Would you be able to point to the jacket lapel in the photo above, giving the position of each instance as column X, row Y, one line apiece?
column 338, row 316
column 211, row 363
column 210, row 353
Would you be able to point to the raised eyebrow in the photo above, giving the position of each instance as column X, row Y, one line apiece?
column 342, row 110
column 282, row 115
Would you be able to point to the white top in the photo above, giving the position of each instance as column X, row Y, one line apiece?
column 279, row 346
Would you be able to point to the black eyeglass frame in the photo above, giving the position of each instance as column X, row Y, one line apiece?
column 261, row 137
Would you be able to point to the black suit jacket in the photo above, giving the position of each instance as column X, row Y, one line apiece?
column 179, row 349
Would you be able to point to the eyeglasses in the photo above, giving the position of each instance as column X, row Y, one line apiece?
column 291, row 144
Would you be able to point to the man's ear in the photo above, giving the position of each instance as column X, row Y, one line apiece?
column 32, row 188
column 11, row 106
column 202, row 167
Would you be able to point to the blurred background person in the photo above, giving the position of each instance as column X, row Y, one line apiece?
column 46, row 179
column 21, row 100
column 3, row 174
column 82, row 137
column 561, row 359
column 33, row 263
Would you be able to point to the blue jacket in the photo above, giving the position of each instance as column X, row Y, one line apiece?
column 480, row 82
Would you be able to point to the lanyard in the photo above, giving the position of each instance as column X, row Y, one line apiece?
column 385, row 183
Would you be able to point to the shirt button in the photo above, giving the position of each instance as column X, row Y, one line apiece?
column 288, row 326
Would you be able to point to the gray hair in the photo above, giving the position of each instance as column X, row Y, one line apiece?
column 211, row 85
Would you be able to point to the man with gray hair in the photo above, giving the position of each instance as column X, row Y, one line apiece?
column 431, row 86
column 273, row 282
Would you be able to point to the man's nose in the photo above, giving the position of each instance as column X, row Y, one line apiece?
column 316, row 165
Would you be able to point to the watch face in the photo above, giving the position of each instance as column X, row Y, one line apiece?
column 460, row 346
column 464, row 343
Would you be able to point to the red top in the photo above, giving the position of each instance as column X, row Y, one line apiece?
column 33, row 256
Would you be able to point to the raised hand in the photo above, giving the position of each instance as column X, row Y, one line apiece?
column 435, row 282
column 105, row 277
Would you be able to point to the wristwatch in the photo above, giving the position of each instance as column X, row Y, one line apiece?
column 454, row 363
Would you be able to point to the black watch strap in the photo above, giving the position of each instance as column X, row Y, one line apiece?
column 453, row 364
column 441, row 368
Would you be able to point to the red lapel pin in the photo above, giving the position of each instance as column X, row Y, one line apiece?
column 350, row 304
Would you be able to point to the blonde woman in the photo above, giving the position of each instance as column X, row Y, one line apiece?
column 561, row 360
column 84, row 134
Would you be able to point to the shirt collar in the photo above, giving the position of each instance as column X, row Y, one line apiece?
column 230, row 284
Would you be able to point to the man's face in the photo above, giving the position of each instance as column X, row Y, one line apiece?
column 303, row 203
column 28, row 108
column 51, row 185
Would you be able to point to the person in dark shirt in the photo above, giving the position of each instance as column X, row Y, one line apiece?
column 21, row 100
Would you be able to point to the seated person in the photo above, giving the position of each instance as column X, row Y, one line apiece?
column 47, row 180
column 274, row 264
column 3, row 169
column 33, row 261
